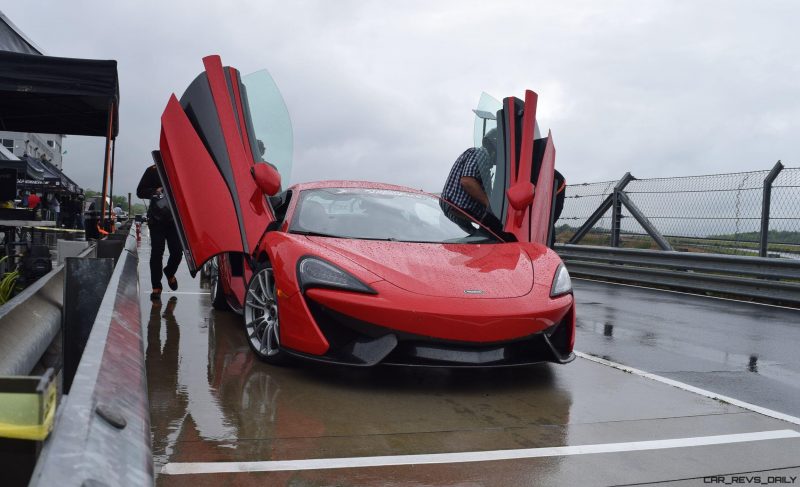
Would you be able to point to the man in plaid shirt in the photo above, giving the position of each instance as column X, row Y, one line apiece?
column 469, row 185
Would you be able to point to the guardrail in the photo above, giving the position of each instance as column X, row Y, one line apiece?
column 31, row 320
column 102, row 431
column 775, row 280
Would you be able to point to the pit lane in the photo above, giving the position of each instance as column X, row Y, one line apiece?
column 221, row 417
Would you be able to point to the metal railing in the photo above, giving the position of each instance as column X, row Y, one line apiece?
column 752, row 213
column 24, row 339
column 774, row 280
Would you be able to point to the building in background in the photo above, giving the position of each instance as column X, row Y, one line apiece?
column 38, row 146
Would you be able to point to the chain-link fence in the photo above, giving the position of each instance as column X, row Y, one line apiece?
column 580, row 201
column 719, row 213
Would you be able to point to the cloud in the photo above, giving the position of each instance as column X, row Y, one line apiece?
column 383, row 91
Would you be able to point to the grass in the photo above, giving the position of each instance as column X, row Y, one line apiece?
column 682, row 244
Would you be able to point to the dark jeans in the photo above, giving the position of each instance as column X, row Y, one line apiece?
column 161, row 234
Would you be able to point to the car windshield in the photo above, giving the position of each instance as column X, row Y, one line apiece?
column 378, row 214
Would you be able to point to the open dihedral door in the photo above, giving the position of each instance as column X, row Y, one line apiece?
column 205, row 162
column 529, row 165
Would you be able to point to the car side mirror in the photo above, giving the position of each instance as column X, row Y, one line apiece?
column 520, row 195
column 267, row 178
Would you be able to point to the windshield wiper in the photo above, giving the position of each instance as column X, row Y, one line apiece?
column 471, row 239
column 381, row 239
column 314, row 234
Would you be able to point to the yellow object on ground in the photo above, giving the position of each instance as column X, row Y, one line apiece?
column 27, row 406
column 57, row 229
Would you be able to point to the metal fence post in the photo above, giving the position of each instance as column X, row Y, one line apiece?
column 601, row 210
column 616, row 208
column 637, row 214
column 765, row 204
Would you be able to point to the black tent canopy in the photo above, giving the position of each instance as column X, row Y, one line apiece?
column 32, row 172
column 57, row 95
column 52, row 177
column 24, row 170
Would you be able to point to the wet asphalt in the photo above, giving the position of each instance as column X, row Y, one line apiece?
column 211, row 400
column 743, row 350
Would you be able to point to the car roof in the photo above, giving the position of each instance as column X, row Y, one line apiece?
column 353, row 184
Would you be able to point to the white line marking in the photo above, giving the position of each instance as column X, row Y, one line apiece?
column 465, row 457
column 689, row 388
column 683, row 292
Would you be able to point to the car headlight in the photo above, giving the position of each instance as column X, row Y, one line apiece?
column 315, row 272
column 562, row 284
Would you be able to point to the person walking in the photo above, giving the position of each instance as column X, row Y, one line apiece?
column 67, row 212
column 80, row 216
column 162, row 231
column 55, row 207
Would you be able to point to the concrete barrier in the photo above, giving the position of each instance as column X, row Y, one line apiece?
column 70, row 248
column 102, row 432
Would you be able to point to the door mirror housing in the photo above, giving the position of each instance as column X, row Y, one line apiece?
column 520, row 195
column 267, row 178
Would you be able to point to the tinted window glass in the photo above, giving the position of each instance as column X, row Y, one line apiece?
column 271, row 123
column 485, row 134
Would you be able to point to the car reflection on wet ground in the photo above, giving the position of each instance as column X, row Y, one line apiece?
column 214, row 404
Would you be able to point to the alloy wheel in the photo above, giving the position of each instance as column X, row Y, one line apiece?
column 261, row 314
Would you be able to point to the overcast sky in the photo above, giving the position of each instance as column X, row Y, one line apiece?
column 384, row 90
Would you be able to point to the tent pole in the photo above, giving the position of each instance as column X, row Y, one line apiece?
column 111, row 185
column 102, row 221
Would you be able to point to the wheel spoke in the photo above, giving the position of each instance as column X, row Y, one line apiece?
column 253, row 325
column 264, row 335
column 269, row 292
column 256, row 333
column 258, row 311
column 262, row 280
column 256, row 297
column 265, row 340
column 270, row 339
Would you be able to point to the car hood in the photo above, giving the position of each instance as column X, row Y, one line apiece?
column 442, row 270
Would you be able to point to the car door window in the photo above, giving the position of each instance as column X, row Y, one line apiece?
column 271, row 124
column 486, row 123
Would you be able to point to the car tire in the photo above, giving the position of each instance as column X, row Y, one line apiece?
column 218, row 300
column 262, row 317
column 207, row 268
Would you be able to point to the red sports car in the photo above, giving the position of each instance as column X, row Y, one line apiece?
column 364, row 273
